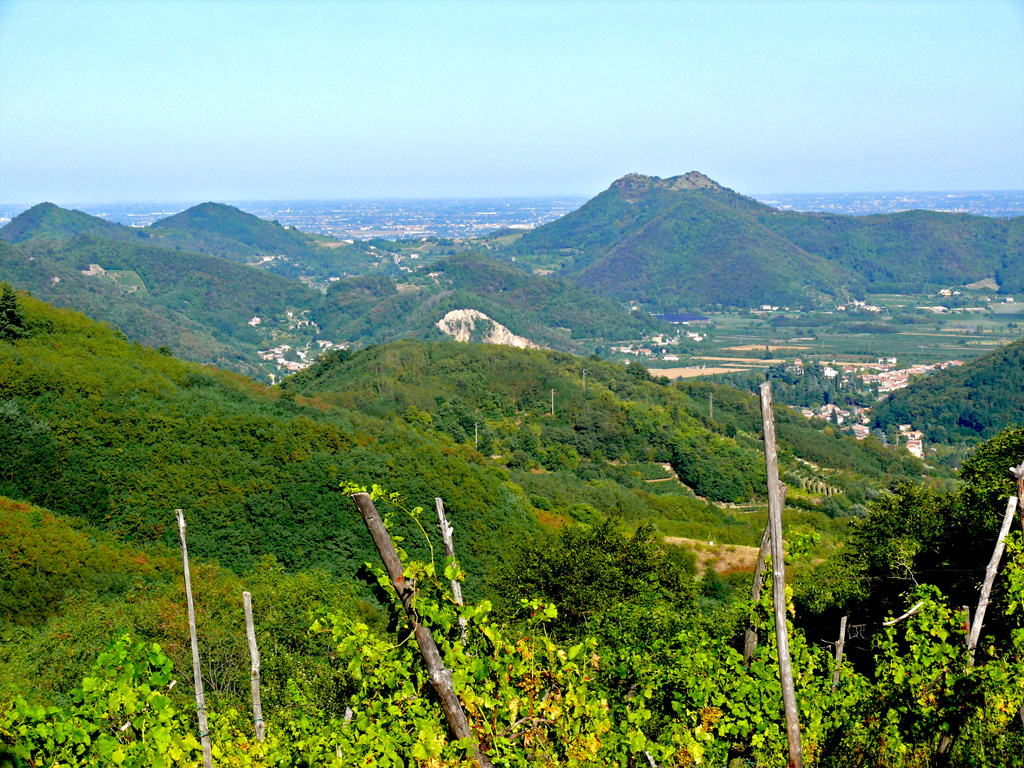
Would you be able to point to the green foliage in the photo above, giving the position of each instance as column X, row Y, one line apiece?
column 370, row 309
column 970, row 402
column 671, row 243
column 646, row 686
column 588, row 571
column 142, row 434
column 12, row 323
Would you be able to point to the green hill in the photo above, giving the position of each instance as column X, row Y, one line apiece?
column 969, row 403
column 608, row 435
column 50, row 221
column 198, row 306
column 118, row 435
column 686, row 241
column 210, row 228
column 548, row 311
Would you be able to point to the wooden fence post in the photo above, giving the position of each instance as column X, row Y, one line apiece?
column 440, row 677
column 449, row 550
column 839, row 651
column 990, row 576
column 1018, row 473
column 254, row 655
column 204, row 728
column 775, row 496
column 750, row 639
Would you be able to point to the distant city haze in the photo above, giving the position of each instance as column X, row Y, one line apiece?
column 398, row 219
column 106, row 101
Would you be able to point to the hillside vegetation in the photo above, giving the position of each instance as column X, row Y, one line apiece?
column 127, row 435
column 209, row 228
column 503, row 397
column 965, row 403
column 102, row 439
column 549, row 312
column 686, row 241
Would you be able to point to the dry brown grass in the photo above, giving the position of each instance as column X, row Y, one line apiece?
column 722, row 557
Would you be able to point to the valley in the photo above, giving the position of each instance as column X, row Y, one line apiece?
column 593, row 430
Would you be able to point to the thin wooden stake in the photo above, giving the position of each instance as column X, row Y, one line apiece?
column 771, row 460
column 839, row 651
column 449, row 550
column 440, row 677
column 916, row 609
column 204, row 728
column 990, row 576
column 254, row 655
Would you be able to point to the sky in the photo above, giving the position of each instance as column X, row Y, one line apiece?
column 119, row 101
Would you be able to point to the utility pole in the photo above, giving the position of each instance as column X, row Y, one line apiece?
column 476, row 435
column 584, row 379
column 711, row 406
column 552, row 402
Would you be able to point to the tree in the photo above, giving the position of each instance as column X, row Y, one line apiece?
column 12, row 321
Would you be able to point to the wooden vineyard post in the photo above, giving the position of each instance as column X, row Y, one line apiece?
column 440, row 677
column 771, row 460
column 1018, row 473
column 839, row 651
column 254, row 655
column 449, row 550
column 750, row 639
column 204, row 728
column 990, row 576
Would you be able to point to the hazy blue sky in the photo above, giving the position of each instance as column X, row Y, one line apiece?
column 174, row 100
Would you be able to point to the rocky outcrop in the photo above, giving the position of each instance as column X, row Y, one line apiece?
column 473, row 325
column 633, row 184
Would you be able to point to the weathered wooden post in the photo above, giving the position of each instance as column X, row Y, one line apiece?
column 771, row 460
column 449, row 550
column 254, row 655
column 990, row 576
column 204, row 728
column 1018, row 473
column 839, row 651
column 440, row 677
column 750, row 639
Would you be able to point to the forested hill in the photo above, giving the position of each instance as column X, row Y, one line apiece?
column 687, row 241
column 966, row 403
column 209, row 228
column 47, row 220
column 119, row 436
column 548, row 311
column 198, row 306
column 503, row 398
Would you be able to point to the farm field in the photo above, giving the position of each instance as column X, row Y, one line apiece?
column 905, row 328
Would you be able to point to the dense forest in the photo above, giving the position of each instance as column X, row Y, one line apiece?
column 178, row 284
column 686, row 241
column 597, row 629
column 966, row 403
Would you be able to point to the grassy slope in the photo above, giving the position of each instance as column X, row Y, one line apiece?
column 139, row 317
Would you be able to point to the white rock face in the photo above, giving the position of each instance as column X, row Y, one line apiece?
column 469, row 324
